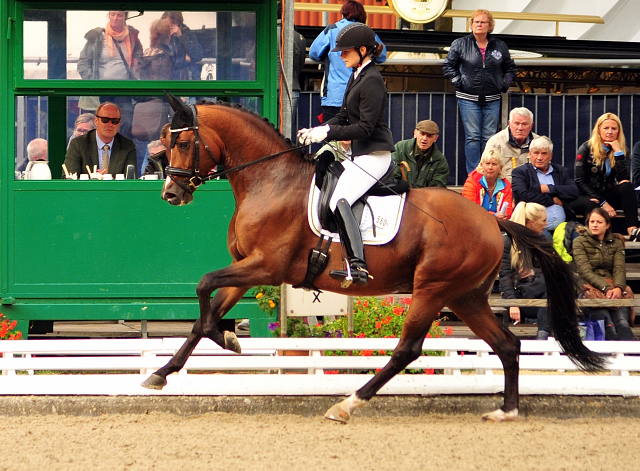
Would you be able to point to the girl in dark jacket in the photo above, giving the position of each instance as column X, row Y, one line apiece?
column 602, row 174
column 361, row 120
column 599, row 255
column 481, row 68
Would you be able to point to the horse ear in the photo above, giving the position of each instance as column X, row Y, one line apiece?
column 177, row 104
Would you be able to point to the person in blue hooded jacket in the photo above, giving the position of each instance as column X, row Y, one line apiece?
column 336, row 74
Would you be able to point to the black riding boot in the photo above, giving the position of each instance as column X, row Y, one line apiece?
column 352, row 240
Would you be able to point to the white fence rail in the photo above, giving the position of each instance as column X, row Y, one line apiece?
column 118, row 366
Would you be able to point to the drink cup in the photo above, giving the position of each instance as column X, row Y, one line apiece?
column 119, row 176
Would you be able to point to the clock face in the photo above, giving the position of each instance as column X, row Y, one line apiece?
column 420, row 11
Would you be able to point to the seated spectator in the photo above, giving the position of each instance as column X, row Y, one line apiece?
column 103, row 147
column 185, row 48
column 424, row 163
column 545, row 183
column 157, row 60
column 156, row 159
column 513, row 141
column 602, row 174
column 599, row 256
column 37, row 149
column 519, row 279
column 486, row 186
column 82, row 125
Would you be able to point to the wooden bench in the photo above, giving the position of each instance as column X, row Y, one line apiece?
column 468, row 366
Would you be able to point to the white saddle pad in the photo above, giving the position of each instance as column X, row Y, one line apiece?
column 387, row 213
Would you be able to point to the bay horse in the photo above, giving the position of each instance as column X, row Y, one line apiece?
column 447, row 252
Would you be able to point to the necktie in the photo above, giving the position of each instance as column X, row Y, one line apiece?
column 105, row 158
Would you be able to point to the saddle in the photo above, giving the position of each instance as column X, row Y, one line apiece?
column 328, row 171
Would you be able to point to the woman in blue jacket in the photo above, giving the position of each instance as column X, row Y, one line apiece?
column 481, row 68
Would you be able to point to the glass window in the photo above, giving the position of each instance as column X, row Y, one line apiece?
column 149, row 45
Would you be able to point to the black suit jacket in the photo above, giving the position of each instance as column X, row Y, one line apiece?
column 526, row 187
column 361, row 117
column 83, row 151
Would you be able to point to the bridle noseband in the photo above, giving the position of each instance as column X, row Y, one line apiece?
column 194, row 173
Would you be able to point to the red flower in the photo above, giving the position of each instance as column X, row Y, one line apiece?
column 360, row 335
column 367, row 353
column 381, row 352
column 428, row 336
column 386, row 320
column 398, row 310
column 429, row 371
column 365, row 303
column 331, row 372
column 448, row 331
column 378, row 325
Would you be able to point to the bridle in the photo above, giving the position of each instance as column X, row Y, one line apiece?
column 195, row 180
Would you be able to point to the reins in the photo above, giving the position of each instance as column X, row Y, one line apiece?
column 195, row 180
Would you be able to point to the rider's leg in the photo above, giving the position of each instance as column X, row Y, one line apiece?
column 356, row 179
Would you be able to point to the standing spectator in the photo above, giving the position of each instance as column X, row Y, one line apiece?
column 82, row 125
column 513, row 141
column 599, row 256
column 157, row 60
column 545, row 183
column 336, row 74
column 602, row 174
column 113, row 53
column 520, row 278
column 481, row 68
column 104, row 147
column 424, row 163
column 488, row 188
column 185, row 48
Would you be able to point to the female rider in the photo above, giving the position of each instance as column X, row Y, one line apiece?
column 361, row 120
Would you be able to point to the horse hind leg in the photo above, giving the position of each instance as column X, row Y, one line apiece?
column 420, row 316
column 474, row 310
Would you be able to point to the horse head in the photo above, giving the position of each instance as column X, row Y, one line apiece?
column 191, row 156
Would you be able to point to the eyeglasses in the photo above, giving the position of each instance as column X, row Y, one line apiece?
column 105, row 120
column 480, row 22
column 82, row 131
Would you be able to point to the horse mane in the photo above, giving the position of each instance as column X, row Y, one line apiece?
column 237, row 106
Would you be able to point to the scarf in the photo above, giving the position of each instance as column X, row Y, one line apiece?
column 122, row 36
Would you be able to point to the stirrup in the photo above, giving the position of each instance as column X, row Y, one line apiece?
column 358, row 276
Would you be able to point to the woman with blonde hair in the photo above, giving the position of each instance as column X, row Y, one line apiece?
column 523, row 279
column 602, row 174
column 487, row 186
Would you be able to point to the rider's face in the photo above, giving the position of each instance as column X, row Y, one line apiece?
column 350, row 57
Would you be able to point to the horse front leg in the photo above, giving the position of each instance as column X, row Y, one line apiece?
column 420, row 316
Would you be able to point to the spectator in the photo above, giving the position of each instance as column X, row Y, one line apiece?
column 103, row 147
column 486, row 186
column 37, row 150
column 157, row 60
column 600, row 258
column 82, row 125
column 545, row 183
column 113, row 53
column 521, row 279
column 513, row 141
column 424, row 163
column 481, row 68
column 339, row 149
column 336, row 74
column 156, row 158
column 602, row 174
column 185, row 48
column 635, row 168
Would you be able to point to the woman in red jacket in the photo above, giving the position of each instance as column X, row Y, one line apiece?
column 486, row 186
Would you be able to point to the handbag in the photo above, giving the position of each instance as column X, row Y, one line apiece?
column 536, row 288
column 591, row 292
column 148, row 119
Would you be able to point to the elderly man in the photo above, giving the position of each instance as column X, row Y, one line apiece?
column 36, row 150
column 545, row 183
column 513, row 141
column 103, row 147
column 424, row 165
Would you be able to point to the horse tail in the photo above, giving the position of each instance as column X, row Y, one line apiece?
column 561, row 295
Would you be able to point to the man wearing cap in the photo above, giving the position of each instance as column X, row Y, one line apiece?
column 419, row 158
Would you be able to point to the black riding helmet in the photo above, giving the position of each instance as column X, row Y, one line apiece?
column 353, row 36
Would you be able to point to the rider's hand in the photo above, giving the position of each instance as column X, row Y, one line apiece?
column 309, row 136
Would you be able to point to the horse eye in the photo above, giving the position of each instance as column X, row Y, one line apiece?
column 183, row 145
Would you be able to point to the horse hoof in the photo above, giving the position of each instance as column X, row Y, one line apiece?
column 154, row 382
column 338, row 413
column 501, row 416
column 231, row 342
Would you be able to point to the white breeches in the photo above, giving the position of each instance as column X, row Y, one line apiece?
column 359, row 176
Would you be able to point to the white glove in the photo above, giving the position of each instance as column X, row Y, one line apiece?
column 309, row 136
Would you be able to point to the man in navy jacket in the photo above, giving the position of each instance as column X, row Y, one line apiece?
column 545, row 183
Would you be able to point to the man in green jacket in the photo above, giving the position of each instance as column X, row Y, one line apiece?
column 419, row 160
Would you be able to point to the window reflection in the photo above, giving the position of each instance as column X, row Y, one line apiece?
column 117, row 45
column 145, row 125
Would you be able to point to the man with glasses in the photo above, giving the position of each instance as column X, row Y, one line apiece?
column 104, row 148
column 82, row 125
